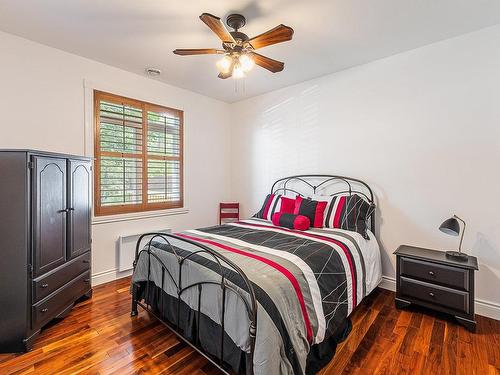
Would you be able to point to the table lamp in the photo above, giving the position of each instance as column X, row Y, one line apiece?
column 451, row 226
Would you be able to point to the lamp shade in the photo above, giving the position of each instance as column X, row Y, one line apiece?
column 450, row 226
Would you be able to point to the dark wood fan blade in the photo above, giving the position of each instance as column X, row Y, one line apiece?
column 217, row 27
column 279, row 34
column 197, row 51
column 267, row 63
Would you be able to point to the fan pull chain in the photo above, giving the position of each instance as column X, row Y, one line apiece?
column 240, row 87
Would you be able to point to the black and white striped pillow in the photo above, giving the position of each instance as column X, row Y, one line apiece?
column 271, row 204
column 349, row 212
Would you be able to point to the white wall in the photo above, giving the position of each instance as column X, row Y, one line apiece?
column 42, row 99
column 422, row 128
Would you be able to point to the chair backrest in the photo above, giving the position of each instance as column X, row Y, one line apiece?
column 229, row 211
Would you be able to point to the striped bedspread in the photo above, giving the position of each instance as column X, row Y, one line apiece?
column 306, row 284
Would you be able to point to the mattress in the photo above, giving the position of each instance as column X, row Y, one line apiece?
column 306, row 285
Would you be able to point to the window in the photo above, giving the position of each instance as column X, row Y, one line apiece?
column 138, row 155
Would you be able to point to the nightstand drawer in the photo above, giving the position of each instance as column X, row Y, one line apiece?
column 434, row 294
column 435, row 273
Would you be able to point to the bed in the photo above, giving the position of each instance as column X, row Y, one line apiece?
column 255, row 298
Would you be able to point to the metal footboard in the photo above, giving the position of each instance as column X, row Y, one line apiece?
column 223, row 262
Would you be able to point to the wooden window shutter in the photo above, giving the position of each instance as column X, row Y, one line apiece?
column 164, row 155
column 139, row 154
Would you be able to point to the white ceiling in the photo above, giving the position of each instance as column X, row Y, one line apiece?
column 330, row 35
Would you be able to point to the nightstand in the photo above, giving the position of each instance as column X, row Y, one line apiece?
column 430, row 279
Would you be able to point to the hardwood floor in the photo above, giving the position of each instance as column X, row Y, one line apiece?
column 100, row 337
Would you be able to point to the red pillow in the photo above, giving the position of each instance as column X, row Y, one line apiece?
column 298, row 222
column 287, row 205
column 314, row 210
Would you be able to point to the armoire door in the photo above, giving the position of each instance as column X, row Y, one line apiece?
column 49, row 212
column 79, row 207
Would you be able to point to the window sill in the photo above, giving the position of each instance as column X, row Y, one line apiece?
column 138, row 216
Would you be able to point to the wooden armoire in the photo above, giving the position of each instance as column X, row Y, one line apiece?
column 45, row 241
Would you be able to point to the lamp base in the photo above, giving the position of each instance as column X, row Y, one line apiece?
column 457, row 256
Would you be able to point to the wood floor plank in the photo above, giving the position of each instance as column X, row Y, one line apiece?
column 99, row 337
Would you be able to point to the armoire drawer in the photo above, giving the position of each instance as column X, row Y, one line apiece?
column 46, row 284
column 53, row 305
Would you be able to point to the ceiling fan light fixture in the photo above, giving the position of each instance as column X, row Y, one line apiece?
column 238, row 71
column 224, row 64
column 246, row 63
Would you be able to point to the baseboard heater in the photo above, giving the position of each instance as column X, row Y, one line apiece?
column 126, row 249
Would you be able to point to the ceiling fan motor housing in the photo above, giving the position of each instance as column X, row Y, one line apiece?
column 237, row 35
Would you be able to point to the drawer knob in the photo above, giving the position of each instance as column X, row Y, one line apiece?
column 44, row 310
column 86, row 280
column 431, row 273
column 86, row 261
column 45, row 286
column 431, row 294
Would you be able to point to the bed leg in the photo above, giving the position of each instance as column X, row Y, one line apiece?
column 250, row 369
column 134, row 312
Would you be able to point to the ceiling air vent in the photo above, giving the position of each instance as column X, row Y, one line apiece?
column 153, row 72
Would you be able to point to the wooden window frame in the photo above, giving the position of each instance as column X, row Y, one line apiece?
column 144, row 206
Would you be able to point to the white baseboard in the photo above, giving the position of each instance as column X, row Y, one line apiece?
column 482, row 307
column 388, row 283
column 488, row 309
column 109, row 275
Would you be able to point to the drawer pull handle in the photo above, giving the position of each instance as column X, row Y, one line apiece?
column 44, row 310
column 431, row 273
column 86, row 280
column 86, row 261
column 45, row 286
column 431, row 294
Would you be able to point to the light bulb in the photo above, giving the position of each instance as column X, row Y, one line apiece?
column 246, row 63
column 238, row 71
column 224, row 65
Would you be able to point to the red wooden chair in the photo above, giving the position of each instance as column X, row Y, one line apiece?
column 229, row 211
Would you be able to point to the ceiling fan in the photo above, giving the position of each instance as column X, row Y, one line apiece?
column 238, row 49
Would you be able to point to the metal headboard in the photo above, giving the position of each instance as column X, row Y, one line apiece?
column 306, row 185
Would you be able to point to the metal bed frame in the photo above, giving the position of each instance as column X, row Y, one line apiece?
column 319, row 183
column 316, row 183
